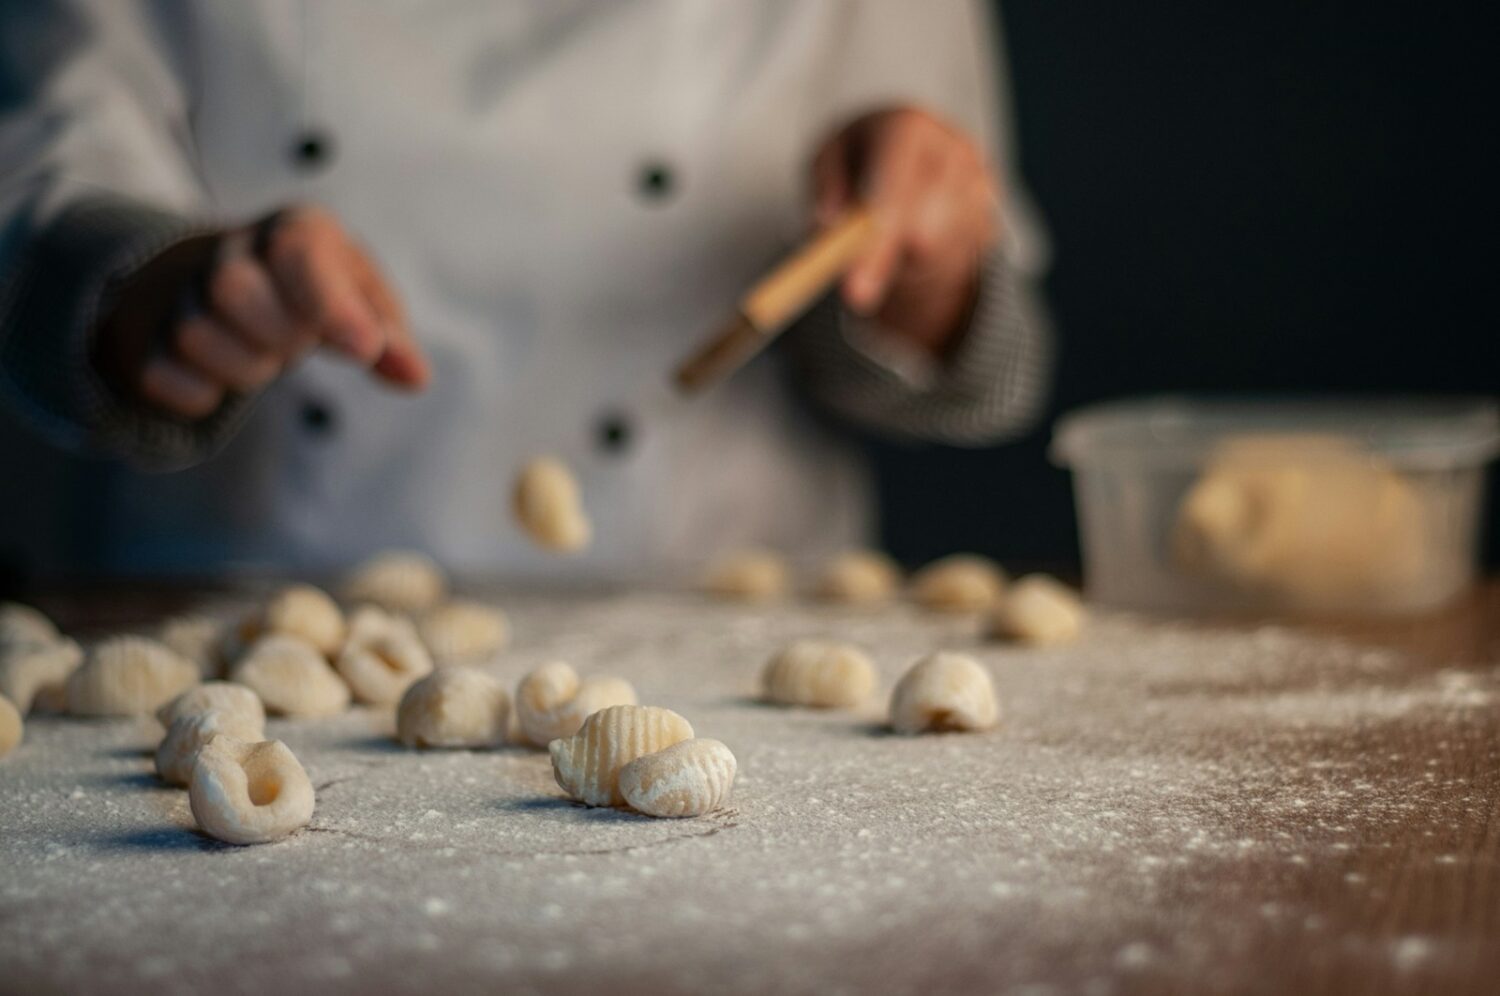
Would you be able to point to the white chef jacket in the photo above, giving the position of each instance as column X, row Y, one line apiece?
column 568, row 195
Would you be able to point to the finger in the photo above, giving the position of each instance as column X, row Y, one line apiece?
column 173, row 387
column 310, row 260
column 866, row 285
column 831, row 186
column 242, row 295
column 403, row 363
column 214, row 351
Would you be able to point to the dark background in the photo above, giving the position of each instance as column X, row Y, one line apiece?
column 1269, row 196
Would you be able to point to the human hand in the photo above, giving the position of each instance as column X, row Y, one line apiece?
column 271, row 293
column 936, row 203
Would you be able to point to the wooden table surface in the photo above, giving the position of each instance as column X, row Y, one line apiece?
column 1403, row 895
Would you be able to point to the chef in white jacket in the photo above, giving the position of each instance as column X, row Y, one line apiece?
column 288, row 282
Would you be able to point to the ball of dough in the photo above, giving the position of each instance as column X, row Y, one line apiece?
column 35, row 675
column 249, row 793
column 749, row 575
column 454, row 707
column 397, row 581
column 552, row 701
column 178, row 750
column 1306, row 522
column 308, row 612
column 200, row 639
column 548, row 506
column 460, row 632
column 819, row 673
column 223, row 696
column 859, row 577
column 24, row 624
column 11, row 727
column 963, row 582
column 127, row 676
column 1039, row 610
column 291, row 677
column 382, row 656
column 944, row 692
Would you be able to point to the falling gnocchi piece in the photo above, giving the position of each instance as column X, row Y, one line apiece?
column 859, row 577
column 749, row 576
column 35, row 675
column 291, row 678
column 963, row 582
column 454, row 707
column 397, row 581
column 382, row 656
column 12, row 729
column 1039, row 610
column 820, row 673
column 198, row 638
column 944, row 692
column 309, row 612
column 23, row 624
column 221, row 696
column 178, row 750
column 242, row 792
column 127, row 676
column 587, row 765
column 552, row 702
column 689, row 778
column 461, row 632
column 548, row 506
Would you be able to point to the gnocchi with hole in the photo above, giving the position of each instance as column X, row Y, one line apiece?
column 249, row 793
column 944, row 693
column 382, row 656
column 552, row 701
column 178, row 750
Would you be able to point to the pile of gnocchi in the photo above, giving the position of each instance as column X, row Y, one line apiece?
column 395, row 638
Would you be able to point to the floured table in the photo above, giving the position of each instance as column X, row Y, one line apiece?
column 1164, row 807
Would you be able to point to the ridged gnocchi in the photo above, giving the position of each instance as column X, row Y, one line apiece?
column 224, row 696
column 587, row 765
column 127, row 676
column 178, row 750
column 859, row 577
column 1039, row 610
column 382, row 656
column 944, row 692
column 249, row 793
column 397, row 581
column 24, row 624
column 548, row 506
column 963, row 582
column 689, row 778
column 35, row 675
column 552, row 701
column 819, row 673
column 12, row 729
column 461, row 632
column 454, row 707
column 749, row 576
column 291, row 677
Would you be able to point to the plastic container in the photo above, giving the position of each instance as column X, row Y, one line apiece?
column 1340, row 507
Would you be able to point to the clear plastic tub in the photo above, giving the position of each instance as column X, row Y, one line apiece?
column 1347, row 507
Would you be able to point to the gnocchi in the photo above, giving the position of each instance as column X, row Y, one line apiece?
column 382, row 656
column 548, row 506
column 750, row 576
column 309, row 612
column 249, row 793
column 819, row 673
column 587, row 765
column 454, row 707
column 24, row 624
column 397, row 581
column 462, row 632
column 128, row 675
column 552, row 702
column 221, row 696
column 1039, row 610
column 188, row 733
column 35, row 675
column 944, row 692
column 291, row 678
column 11, row 727
column 198, row 638
column 689, row 778
column 859, row 577
column 963, row 582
